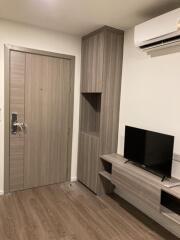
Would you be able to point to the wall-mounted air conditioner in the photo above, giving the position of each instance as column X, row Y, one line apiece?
column 159, row 32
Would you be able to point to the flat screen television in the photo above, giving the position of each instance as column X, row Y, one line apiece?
column 150, row 150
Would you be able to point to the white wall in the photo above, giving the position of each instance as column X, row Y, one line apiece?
column 150, row 96
column 31, row 37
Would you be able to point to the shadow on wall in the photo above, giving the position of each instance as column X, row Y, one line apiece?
column 160, row 8
column 164, row 51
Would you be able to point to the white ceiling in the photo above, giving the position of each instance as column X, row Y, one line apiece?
column 82, row 16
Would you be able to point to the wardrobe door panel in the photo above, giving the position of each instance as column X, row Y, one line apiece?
column 88, row 160
column 92, row 63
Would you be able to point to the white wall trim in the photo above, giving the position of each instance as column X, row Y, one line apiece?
column 73, row 179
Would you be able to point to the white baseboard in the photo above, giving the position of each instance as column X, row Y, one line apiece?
column 1, row 193
column 73, row 179
column 176, row 157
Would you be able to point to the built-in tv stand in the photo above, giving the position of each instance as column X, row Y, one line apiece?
column 159, row 200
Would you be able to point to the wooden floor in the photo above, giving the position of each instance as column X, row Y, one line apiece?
column 71, row 212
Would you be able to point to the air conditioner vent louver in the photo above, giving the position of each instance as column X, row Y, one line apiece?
column 159, row 33
column 161, row 42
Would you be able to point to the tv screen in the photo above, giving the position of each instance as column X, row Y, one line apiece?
column 151, row 150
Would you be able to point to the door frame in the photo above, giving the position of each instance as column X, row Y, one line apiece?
column 7, row 50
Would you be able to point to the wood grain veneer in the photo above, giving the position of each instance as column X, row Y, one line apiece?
column 102, row 53
column 17, row 99
column 69, row 212
column 143, row 190
column 47, row 116
column 112, row 71
column 90, row 112
column 105, row 175
column 39, row 87
column 92, row 63
column 171, row 215
column 136, row 183
column 88, row 160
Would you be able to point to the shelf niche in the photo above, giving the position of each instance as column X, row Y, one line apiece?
column 90, row 113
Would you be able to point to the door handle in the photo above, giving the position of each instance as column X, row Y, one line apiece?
column 15, row 125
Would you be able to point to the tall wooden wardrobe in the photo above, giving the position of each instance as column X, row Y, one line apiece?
column 102, row 54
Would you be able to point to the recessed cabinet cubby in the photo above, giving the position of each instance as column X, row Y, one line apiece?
column 170, row 206
column 170, row 202
column 106, row 172
column 102, row 53
column 90, row 113
column 106, row 166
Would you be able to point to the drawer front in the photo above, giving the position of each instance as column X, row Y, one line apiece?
column 137, row 185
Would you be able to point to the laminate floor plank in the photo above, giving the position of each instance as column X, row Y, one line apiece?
column 70, row 211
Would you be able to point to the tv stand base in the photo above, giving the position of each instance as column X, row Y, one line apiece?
column 144, row 191
column 163, row 178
